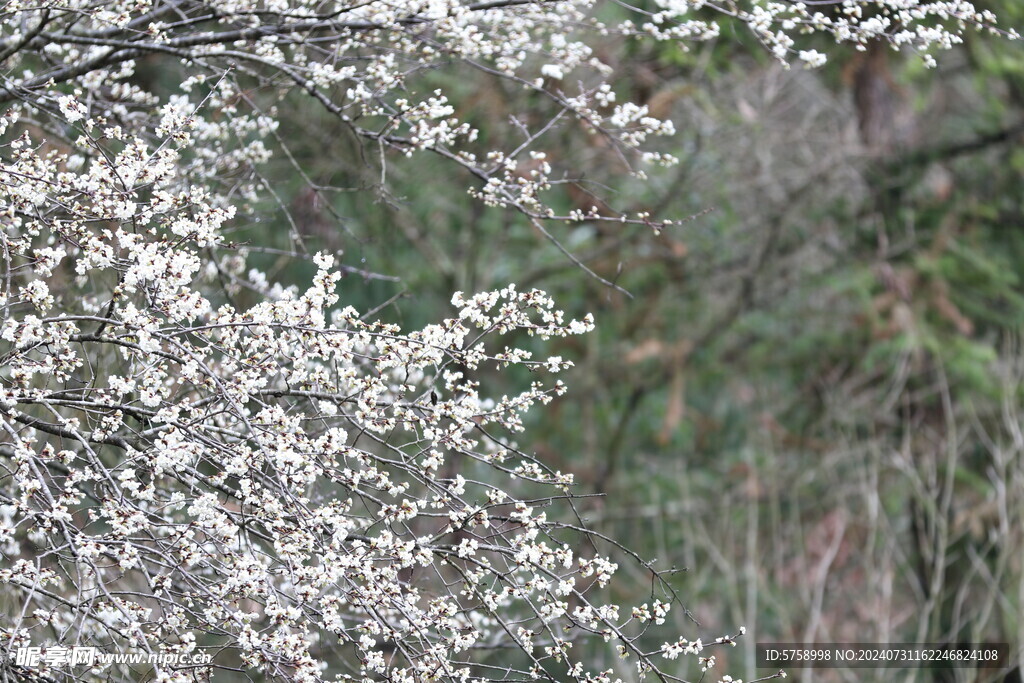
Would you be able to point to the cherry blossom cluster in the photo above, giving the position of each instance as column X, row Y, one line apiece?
column 923, row 26
column 325, row 497
column 71, row 61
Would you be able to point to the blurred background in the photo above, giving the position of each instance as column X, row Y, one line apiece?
column 812, row 401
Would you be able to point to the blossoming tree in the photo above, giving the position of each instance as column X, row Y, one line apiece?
column 303, row 492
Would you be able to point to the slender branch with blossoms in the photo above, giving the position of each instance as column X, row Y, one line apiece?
column 303, row 492
column 285, row 482
column 364, row 62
